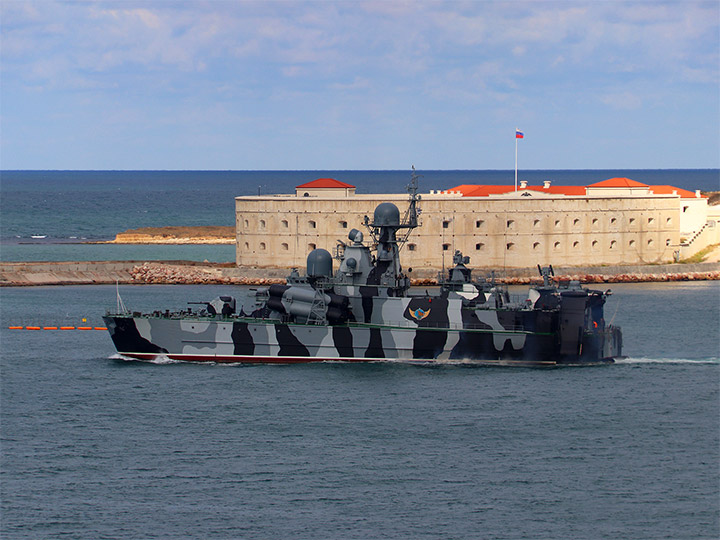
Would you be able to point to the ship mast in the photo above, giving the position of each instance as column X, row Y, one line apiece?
column 387, row 271
column 410, row 220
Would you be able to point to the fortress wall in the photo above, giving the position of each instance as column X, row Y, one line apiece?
column 498, row 231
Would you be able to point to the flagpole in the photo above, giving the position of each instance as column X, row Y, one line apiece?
column 516, row 158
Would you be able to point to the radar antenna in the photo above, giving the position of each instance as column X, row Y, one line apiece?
column 410, row 219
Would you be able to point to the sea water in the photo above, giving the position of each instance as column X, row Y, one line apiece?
column 95, row 446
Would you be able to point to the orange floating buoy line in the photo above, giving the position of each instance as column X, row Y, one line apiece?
column 17, row 327
column 57, row 327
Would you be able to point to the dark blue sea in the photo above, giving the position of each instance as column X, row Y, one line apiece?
column 93, row 446
column 69, row 208
column 97, row 447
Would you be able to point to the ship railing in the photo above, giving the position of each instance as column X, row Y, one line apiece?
column 440, row 326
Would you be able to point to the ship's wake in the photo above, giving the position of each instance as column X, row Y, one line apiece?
column 646, row 360
column 160, row 359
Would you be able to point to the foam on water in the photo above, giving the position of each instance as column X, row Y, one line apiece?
column 646, row 360
column 160, row 359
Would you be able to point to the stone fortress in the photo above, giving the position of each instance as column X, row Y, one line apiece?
column 614, row 222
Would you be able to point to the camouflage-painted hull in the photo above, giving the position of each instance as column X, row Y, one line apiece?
column 238, row 340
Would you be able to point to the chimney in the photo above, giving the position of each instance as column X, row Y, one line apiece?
column 546, row 184
column 523, row 184
column 697, row 193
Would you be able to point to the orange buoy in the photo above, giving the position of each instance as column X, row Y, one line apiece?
column 84, row 327
column 50, row 327
column 67, row 328
column 100, row 328
column 15, row 327
column 32, row 328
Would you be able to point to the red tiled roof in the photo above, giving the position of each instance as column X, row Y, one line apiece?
column 667, row 190
column 324, row 183
column 618, row 183
column 465, row 189
column 477, row 190
column 560, row 190
column 469, row 190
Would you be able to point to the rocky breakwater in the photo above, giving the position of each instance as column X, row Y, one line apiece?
column 165, row 273
column 184, row 274
column 194, row 273
column 619, row 278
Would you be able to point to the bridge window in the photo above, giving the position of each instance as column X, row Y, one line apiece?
column 632, row 221
column 479, row 223
column 576, row 245
column 667, row 242
column 262, row 223
column 613, row 244
column 446, row 247
column 536, row 246
column 557, row 223
column 411, row 247
column 650, row 242
column 651, row 221
column 284, row 246
column 510, row 223
column 343, row 224
column 576, row 222
column 510, row 246
column 631, row 243
column 556, row 246
column 446, row 224
column 479, row 246
column 595, row 245
column 246, row 223
column 311, row 247
column 284, row 223
column 262, row 246
column 595, row 222
column 312, row 224
column 536, row 223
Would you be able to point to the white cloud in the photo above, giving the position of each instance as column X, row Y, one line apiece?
column 388, row 59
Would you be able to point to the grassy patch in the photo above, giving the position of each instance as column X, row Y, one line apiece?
column 700, row 255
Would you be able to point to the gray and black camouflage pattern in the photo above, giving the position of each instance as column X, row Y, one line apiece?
column 366, row 312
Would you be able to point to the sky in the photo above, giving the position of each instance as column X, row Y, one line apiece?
column 357, row 85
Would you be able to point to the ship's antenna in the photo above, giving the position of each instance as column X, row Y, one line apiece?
column 119, row 301
column 410, row 221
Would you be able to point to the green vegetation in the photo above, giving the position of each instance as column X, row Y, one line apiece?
column 700, row 255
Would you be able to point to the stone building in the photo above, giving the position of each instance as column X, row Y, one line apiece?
column 617, row 221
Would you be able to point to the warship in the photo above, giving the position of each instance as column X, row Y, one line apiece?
column 365, row 311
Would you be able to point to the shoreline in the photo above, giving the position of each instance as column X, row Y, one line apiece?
column 24, row 274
